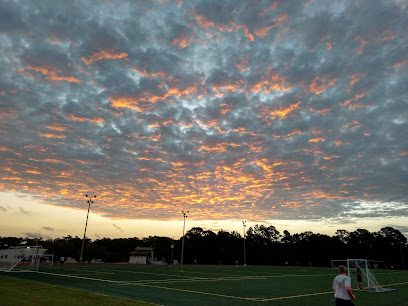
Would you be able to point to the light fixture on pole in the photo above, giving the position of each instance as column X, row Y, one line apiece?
column 244, row 225
column 184, row 226
column 83, row 240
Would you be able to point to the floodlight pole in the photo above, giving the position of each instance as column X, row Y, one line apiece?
column 86, row 224
column 402, row 256
column 184, row 226
column 244, row 225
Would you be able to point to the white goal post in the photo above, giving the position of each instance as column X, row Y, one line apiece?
column 24, row 258
column 373, row 273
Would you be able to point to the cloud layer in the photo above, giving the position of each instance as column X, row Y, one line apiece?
column 268, row 110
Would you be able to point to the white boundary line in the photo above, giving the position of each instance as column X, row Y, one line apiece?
column 136, row 272
column 82, row 277
column 187, row 278
column 146, row 284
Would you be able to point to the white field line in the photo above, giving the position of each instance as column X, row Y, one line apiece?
column 174, row 280
column 303, row 275
column 225, row 278
column 236, row 271
column 121, row 282
column 147, row 285
column 135, row 272
column 82, row 277
column 212, row 278
column 143, row 283
column 153, row 280
column 91, row 271
column 200, row 292
column 164, row 281
column 257, row 273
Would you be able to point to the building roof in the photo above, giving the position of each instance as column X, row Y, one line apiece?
column 142, row 251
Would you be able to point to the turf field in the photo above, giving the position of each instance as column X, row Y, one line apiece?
column 17, row 291
column 213, row 285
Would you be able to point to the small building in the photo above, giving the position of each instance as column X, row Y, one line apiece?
column 70, row 260
column 141, row 256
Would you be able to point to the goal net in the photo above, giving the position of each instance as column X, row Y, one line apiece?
column 24, row 258
column 374, row 274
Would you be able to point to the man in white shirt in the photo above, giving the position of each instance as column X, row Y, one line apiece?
column 342, row 288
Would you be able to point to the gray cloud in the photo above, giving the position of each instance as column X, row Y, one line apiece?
column 118, row 227
column 47, row 228
column 37, row 236
column 22, row 210
column 3, row 209
column 289, row 111
column 33, row 235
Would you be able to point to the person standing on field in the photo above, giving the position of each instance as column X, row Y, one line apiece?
column 342, row 288
column 359, row 277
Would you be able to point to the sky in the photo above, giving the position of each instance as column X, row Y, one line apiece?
column 285, row 113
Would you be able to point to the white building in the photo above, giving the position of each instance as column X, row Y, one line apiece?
column 141, row 256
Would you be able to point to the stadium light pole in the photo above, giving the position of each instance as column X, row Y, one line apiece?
column 402, row 256
column 184, row 226
column 86, row 224
column 244, row 225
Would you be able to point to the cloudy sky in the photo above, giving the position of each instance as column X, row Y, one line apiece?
column 282, row 112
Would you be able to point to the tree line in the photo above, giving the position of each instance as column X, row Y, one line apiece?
column 264, row 245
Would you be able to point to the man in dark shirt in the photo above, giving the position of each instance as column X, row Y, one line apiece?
column 357, row 273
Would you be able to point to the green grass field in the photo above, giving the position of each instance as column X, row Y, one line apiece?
column 16, row 291
column 202, row 285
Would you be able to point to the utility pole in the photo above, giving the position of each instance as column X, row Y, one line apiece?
column 184, row 226
column 86, row 224
column 244, row 225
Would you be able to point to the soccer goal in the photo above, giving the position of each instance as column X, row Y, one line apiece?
column 24, row 258
column 375, row 275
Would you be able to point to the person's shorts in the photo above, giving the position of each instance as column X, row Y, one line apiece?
column 341, row 302
column 359, row 279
